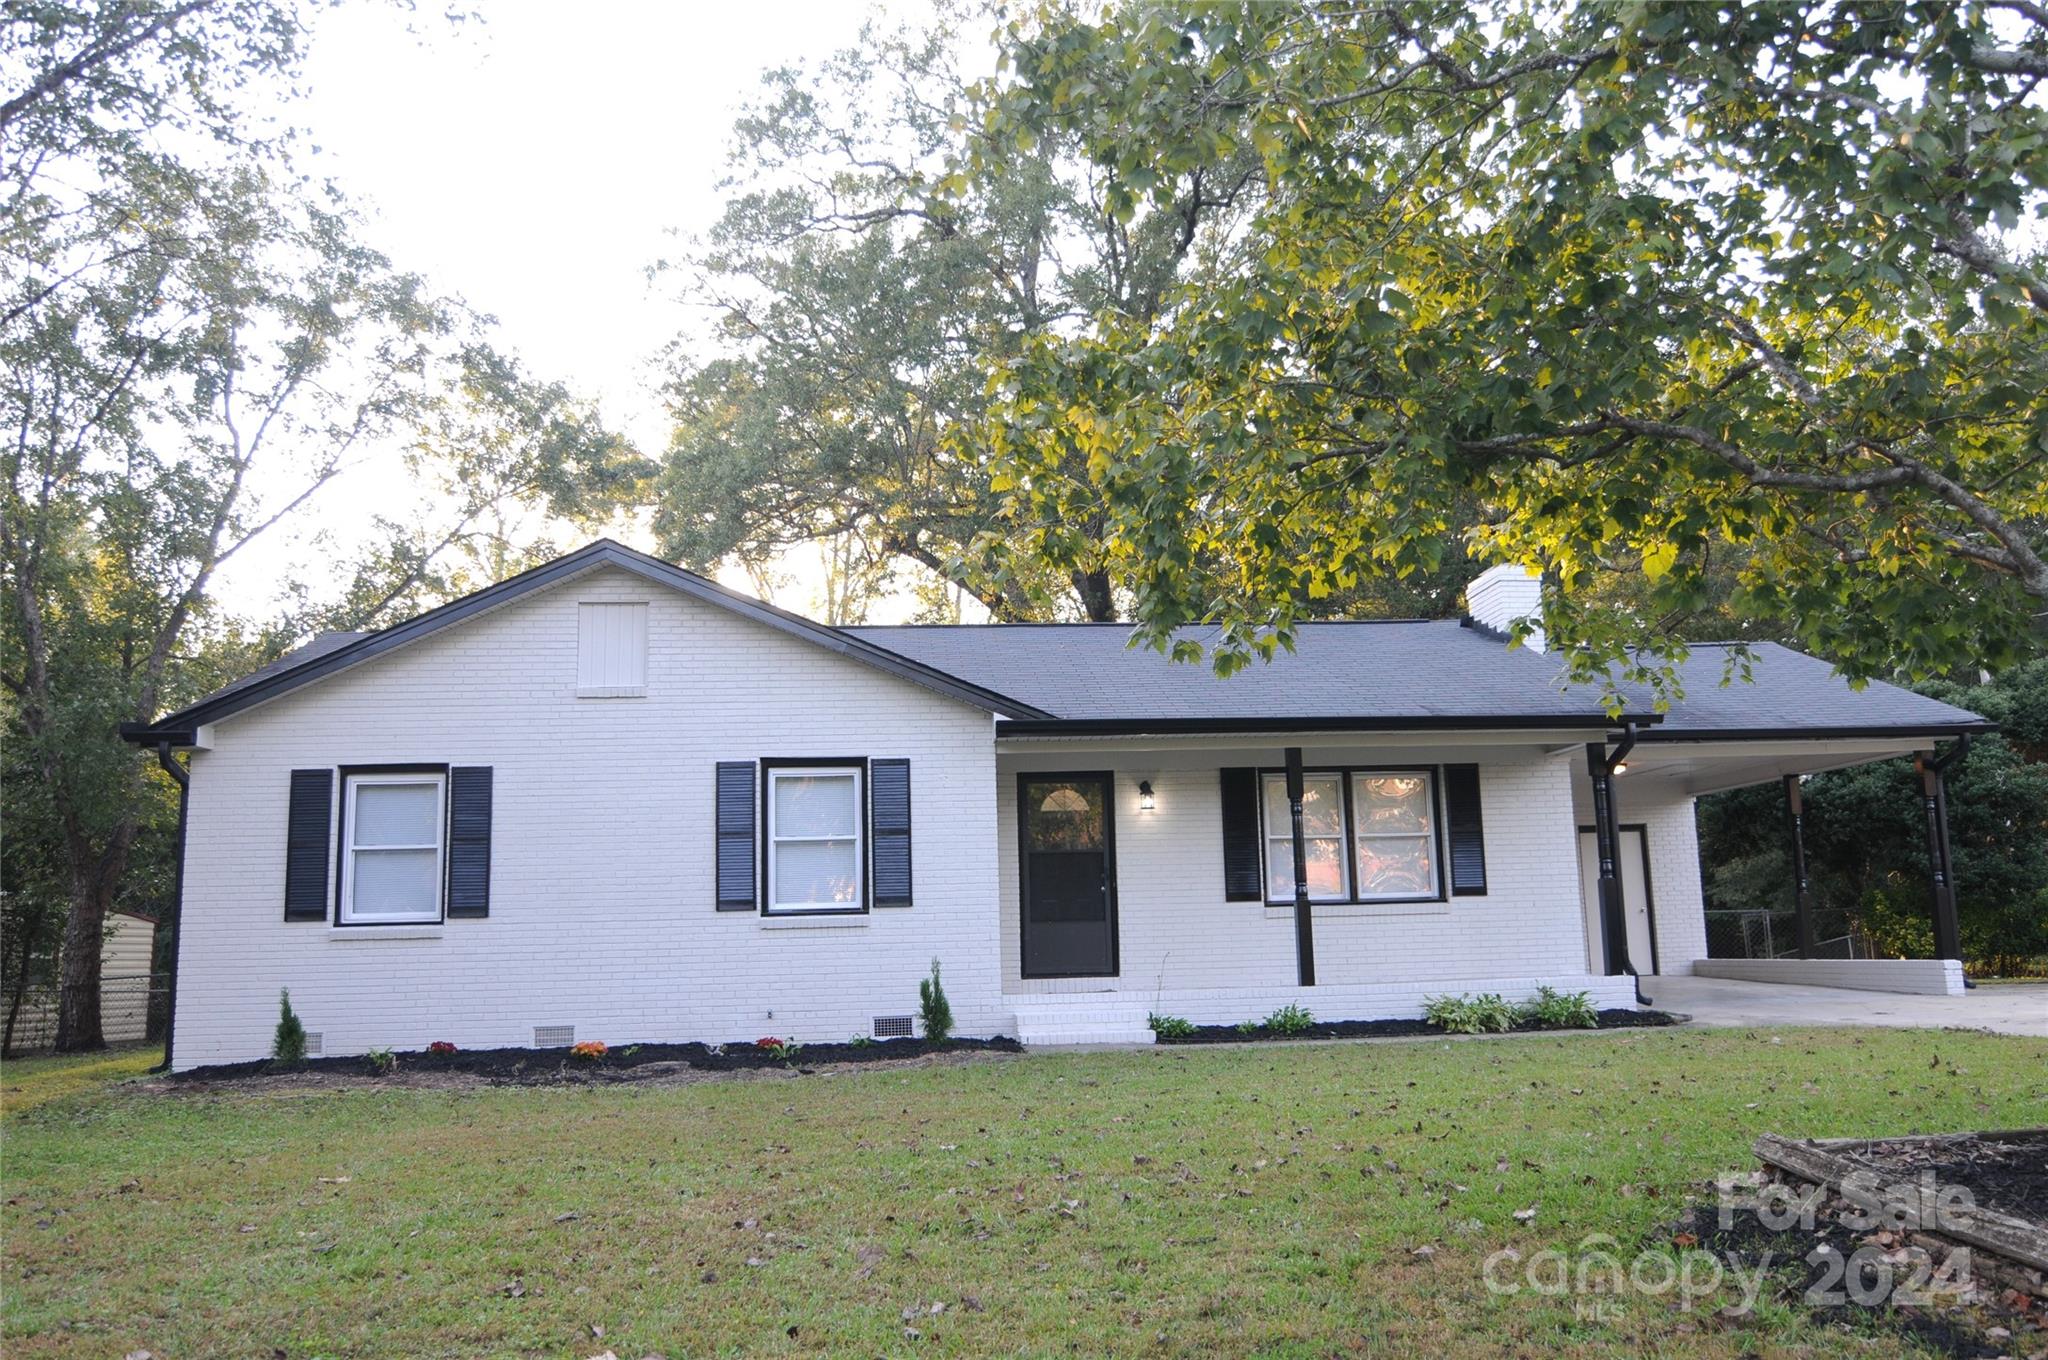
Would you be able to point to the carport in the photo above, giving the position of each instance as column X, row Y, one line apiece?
column 1716, row 738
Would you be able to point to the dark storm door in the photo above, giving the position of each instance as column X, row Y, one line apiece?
column 1066, row 841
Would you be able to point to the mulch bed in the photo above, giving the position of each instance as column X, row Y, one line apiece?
column 1865, row 1231
column 2007, row 1172
column 623, row 1062
column 1617, row 1018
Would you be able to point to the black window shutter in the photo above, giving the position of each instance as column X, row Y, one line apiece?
column 1243, row 879
column 889, row 825
column 307, row 823
column 735, row 835
column 1467, row 833
column 469, row 840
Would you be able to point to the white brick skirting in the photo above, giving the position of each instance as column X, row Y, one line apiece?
column 1921, row 977
column 1120, row 1017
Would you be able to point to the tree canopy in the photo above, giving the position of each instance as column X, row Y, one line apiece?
column 863, row 283
column 195, row 343
column 1670, row 294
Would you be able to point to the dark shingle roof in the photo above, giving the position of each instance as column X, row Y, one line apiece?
column 320, row 646
column 1792, row 693
column 1433, row 673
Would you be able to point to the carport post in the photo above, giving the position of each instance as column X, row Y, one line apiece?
column 1948, row 942
column 1795, row 820
column 1601, row 765
column 1304, row 923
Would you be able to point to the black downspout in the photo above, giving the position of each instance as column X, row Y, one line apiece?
column 1304, row 924
column 1601, row 764
column 184, row 780
column 1948, row 943
column 1802, row 895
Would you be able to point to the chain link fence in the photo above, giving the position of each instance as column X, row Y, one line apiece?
column 132, row 1009
column 1764, row 934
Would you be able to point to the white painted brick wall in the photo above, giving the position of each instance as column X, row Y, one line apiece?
column 602, row 902
column 1178, row 934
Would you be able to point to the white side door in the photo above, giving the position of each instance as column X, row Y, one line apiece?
column 1635, row 900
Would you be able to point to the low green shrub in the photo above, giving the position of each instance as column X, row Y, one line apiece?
column 934, row 1009
column 1290, row 1019
column 383, row 1059
column 1561, row 1010
column 1461, row 1014
column 1170, row 1026
column 289, row 1043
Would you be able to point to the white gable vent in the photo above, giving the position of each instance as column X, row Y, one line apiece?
column 312, row 1043
column 611, row 650
column 553, row 1036
column 892, row 1027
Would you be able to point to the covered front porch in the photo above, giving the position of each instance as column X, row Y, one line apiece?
column 1376, row 870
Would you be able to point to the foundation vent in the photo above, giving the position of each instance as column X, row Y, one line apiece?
column 553, row 1036
column 893, row 1027
column 312, row 1043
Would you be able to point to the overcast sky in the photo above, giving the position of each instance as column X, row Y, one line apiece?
column 535, row 164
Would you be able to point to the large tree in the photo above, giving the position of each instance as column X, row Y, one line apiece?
column 194, row 345
column 1666, row 291
column 863, row 285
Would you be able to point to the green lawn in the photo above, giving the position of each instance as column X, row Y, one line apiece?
column 28, row 1082
column 1182, row 1202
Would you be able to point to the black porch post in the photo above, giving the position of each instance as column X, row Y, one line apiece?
column 1304, row 923
column 1795, row 821
column 1607, row 844
column 1948, row 942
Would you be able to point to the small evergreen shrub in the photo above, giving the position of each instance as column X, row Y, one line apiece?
column 289, row 1043
column 1290, row 1019
column 1483, row 1014
column 1170, row 1026
column 1561, row 1010
column 934, row 1009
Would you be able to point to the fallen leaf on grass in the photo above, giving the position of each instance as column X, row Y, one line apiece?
column 570, row 1217
column 1424, row 1252
column 1527, row 1215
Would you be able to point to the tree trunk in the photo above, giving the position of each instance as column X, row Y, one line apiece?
column 1098, row 601
column 78, row 992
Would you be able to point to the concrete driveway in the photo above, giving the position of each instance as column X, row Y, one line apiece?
column 2006, row 1009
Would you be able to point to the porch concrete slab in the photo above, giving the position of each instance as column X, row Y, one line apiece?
column 2005, row 1009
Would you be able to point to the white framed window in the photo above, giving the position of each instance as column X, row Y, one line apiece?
column 1322, row 825
column 816, row 839
column 1370, row 836
column 393, row 834
column 1394, row 852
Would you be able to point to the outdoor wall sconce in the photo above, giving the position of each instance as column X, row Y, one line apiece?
column 1146, row 802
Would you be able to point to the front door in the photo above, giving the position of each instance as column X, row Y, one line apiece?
column 1633, row 868
column 1066, row 843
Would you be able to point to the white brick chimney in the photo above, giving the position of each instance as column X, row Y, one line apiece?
column 1500, row 595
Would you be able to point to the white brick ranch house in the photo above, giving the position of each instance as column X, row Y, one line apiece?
column 609, row 799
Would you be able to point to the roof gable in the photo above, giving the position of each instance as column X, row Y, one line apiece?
column 332, row 653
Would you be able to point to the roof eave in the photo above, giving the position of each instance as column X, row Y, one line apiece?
column 1085, row 727
column 602, row 553
column 1882, row 731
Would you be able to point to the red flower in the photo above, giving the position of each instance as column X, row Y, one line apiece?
column 770, row 1042
column 440, row 1046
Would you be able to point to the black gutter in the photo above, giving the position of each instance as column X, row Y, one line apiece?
column 604, row 552
column 1894, row 730
column 183, row 777
column 1116, row 727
